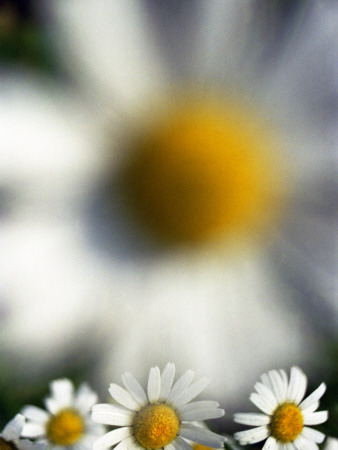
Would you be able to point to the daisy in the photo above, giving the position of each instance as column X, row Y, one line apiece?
column 67, row 423
column 10, row 436
column 286, row 414
column 158, row 418
column 136, row 64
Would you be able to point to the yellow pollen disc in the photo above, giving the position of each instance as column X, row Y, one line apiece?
column 202, row 171
column 6, row 445
column 287, row 422
column 66, row 427
column 156, row 426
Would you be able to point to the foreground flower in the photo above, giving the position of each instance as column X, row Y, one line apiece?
column 67, row 424
column 157, row 419
column 10, row 436
column 286, row 415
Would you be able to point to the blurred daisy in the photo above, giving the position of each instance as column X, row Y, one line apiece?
column 10, row 436
column 159, row 418
column 178, row 251
column 66, row 423
column 286, row 414
column 331, row 444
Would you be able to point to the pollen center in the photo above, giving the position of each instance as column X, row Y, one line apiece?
column 200, row 172
column 6, row 445
column 287, row 422
column 66, row 427
column 156, row 426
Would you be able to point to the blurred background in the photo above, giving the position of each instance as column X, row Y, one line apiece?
column 99, row 275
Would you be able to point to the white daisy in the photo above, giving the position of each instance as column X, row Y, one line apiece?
column 10, row 436
column 286, row 414
column 158, row 418
column 331, row 444
column 67, row 423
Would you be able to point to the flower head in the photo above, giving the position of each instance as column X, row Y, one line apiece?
column 67, row 423
column 10, row 436
column 159, row 418
column 286, row 414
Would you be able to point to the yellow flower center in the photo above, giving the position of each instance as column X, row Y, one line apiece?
column 287, row 422
column 155, row 426
column 66, row 427
column 202, row 171
column 4, row 445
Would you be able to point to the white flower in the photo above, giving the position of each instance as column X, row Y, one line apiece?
column 131, row 56
column 331, row 444
column 66, row 423
column 10, row 436
column 159, row 418
column 286, row 414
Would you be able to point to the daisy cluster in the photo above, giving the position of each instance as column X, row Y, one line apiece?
column 166, row 416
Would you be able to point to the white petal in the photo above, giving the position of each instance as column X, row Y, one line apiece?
column 271, row 444
column 180, row 385
column 52, row 405
column 112, row 438
column 331, row 444
column 13, row 429
column 25, row 444
column 201, row 435
column 85, row 398
column 191, row 392
column 201, row 404
column 301, row 443
column 314, row 397
column 316, row 418
column 297, row 385
column 262, row 403
column 202, row 414
column 33, row 430
column 251, row 419
column 181, row 443
column 313, row 435
column 310, row 409
column 252, row 436
column 268, row 396
column 279, row 384
column 123, row 397
column 112, row 415
column 167, row 379
column 154, row 384
column 63, row 392
column 36, row 414
column 134, row 387
column 128, row 444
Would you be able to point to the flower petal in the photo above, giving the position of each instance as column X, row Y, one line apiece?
column 112, row 438
column 154, row 384
column 180, row 385
column 36, row 414
column 167, row 380
column 316, row 418
column 13, row 429
column 297, row 385
column 252, row 419
column 191, row 392
column 123, row 397
column 201, row 435
column 253, row 435
column 313, row 435
column 134, row 387
column 314, row 397
column 271, row 444
column 112, row 415
column 85, row 398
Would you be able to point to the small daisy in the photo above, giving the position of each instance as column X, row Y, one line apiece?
column 285, row 414
column 159, row 418
column 67, row 424
column 10, row 436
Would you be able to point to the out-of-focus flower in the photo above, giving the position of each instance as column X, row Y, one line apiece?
column 10, row 436
column 141, row 65
column 286, row 414
column 67, row 423
column 159, row 418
